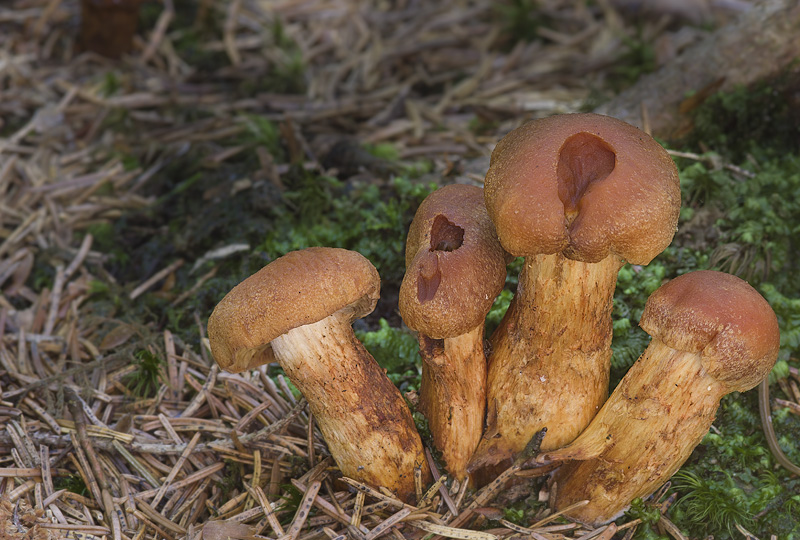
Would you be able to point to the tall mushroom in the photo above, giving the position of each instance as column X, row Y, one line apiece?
column 299, row 309
column 576, row 195
column 455, row 268
column 712, row 334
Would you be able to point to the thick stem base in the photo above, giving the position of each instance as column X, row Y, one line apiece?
column 361, row 414
column 551, row 356
column 647, row 429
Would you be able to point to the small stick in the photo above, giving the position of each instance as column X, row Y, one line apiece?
column 274, row 486
column 452, row 532
column 358, row 507
column 83, row 251
column 160, row 30
column 769, row 430
column 150, row 514
column 266, row 506
column 302, row 511
column 428, row 497
column 84, row 469
column 148, row 523
column 174, row 472
column 47, row 480
column 310, row 439
column 792, row 406
column 89, row 529
column 442, row 488
column 155, row 278
column 172, row 366
column 256, row 468
column 136, row 465
column 387, row 523
column 676, row 533
column 551, row 517
column 205, row 390
column 55, row 299
column 375, row 494
column 700, row 157
column 194, row 288
column 192, row 478
column 230, row 32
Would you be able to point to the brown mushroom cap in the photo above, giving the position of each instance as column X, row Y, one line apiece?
column 456, row 266
column 722, row 318
column 302, row 287
column 583, row 184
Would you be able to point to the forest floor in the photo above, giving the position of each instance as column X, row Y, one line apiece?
column 135, row 192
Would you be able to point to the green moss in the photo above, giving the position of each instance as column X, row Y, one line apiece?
column 520, row 20
column 713, row 505
column 759, row 120
column 760, row 218
column 731, row 476
column 73, row 483
column 232, row 479
column 387, row 151
column 637, row 58
column 397, row 351
column 111, row 84
column 368, row 219
column 145, row 380
column 788, row 312
column 263, row 132
column 650, row 516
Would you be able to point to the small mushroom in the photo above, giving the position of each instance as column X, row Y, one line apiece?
column 576, row 195
column 712, row 334
column 299, row 309
column 455, row 268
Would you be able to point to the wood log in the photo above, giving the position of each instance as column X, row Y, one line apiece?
column 761, row 44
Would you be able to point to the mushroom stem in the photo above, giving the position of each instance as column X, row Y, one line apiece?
column 649, row 426
column 551, row 355
column 452, row 395
column 361, row 414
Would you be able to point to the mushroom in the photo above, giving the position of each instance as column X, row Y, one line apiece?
column 576, row 195
column 712, row 334
column 455, row 268
column 299, row 309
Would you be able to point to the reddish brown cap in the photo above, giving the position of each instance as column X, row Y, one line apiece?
column 455, row 266
column 720, row 317
column 302, row 287
column 586, row 185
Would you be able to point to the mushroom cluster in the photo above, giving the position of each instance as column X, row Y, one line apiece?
column 577, row 196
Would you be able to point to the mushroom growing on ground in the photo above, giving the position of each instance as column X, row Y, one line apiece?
column 712, row 334
column 455, row 268
column 298, row 310
column 576, row 195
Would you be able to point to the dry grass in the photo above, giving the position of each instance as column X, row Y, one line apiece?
column 210, row 455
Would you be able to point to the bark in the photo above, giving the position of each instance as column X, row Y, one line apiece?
column 759, row 45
